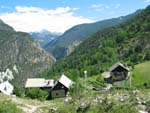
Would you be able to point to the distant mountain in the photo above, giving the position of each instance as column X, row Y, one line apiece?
column 66, row 43
column 44, row 37
column 128, row 43
column 21, row 55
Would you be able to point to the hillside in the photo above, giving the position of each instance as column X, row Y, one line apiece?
column 128, row 43
column 141, row 74
column 66, row 43
column 122, row 101
column 21, row 56
column 82, row 98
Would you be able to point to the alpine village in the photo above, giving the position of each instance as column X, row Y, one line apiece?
column 101, row 67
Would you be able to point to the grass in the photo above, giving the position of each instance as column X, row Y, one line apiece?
column 4, row 97
column 7, row 105
column 61, row 106
column 141, row 74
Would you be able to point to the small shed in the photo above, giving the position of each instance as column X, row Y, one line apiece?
column 6, row 88
column 61, row 87
column 117, row 72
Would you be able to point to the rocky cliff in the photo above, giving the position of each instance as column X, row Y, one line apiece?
column 21, row 55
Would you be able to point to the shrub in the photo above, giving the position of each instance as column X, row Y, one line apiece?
column 77, row 88
column 19, row 91
column 9, row 107
column 36, row 93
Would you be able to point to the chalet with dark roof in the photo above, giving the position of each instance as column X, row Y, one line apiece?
column 117, row 72
column 61, row 87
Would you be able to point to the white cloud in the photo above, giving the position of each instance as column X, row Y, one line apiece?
column 99, row 7
column 5, row 7
column 147, row 1
column 96, row 5
column 102, row 7
column 30, row 19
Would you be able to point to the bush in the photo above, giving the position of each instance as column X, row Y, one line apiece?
column 77, row 89
column 97, row 81
column 19, row 91
column 36, row 93
column 8, row 107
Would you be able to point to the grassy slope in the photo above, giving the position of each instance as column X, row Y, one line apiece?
column 141, row 73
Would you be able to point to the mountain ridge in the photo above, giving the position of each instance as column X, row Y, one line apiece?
column 21, row 54
column 81, row 32
column 128, row 43
column 44, row 37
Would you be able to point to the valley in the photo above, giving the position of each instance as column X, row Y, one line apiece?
column 100, row 67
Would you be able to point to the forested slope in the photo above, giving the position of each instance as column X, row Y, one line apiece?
column 129, row 43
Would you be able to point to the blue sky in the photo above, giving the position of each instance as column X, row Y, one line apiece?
column 60, row 15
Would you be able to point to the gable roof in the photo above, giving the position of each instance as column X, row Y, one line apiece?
column 39, row 82
column 65, row 81
column 116, row 65
column 6, row 88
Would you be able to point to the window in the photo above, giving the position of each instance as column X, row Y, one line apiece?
column 56, row 94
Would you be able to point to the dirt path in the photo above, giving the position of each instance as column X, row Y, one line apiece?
column 28, row 107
